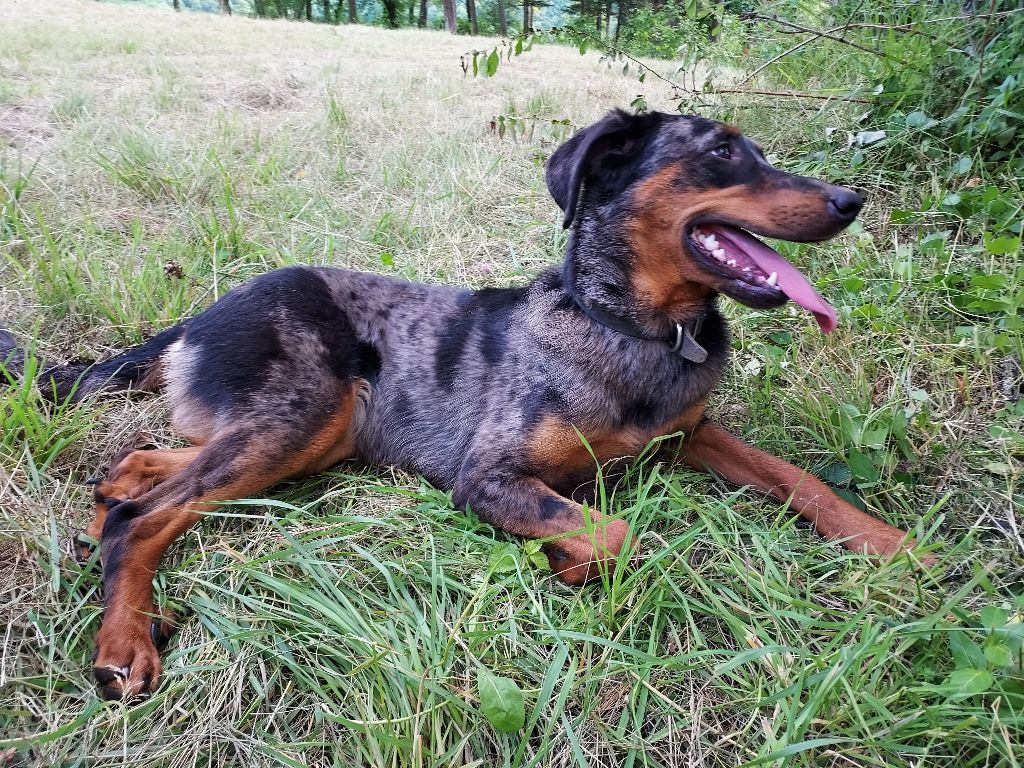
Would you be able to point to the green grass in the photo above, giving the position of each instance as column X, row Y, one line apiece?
column 160, row 159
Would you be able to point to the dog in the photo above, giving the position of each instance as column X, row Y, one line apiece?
column 510, row 398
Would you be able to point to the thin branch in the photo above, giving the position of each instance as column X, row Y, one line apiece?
column 774, row 59
column 786, row 94
column 828, row 34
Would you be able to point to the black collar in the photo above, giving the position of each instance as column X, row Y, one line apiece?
column 682, row 339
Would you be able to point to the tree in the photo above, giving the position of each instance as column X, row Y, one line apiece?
column 391, row 7
column 177, row 5
column 449, row 16
column 502, row 20
column 474, row 28
column 423, row 14
column 353, row 13
column 327, row 11
column 225, row 7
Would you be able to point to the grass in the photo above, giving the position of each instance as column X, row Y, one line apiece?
column 155, row 160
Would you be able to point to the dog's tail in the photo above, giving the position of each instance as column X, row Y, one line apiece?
column 138, row 368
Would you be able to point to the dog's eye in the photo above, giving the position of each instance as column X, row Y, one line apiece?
column 722, row 151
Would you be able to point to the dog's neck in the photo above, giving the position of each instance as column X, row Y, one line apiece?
column 599, row 263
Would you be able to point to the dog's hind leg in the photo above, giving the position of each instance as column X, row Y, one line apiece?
column 583, row 542
column 132, row 473
column 710, row 447
column 241, row 461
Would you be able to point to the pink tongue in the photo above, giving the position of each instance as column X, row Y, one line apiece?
column 791, row 281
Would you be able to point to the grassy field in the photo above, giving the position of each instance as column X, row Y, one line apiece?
column 150, row 161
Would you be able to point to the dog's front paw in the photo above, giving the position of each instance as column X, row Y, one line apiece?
column 578, row 559
column 126, row 663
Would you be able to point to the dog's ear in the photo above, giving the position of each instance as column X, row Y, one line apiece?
column 618, row 132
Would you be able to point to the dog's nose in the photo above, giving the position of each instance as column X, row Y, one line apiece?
column 846, row 203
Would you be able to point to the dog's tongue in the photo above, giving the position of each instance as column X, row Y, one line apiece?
column 791, row 281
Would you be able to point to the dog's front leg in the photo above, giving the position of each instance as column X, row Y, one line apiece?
column 709, row 447
column 585, row 542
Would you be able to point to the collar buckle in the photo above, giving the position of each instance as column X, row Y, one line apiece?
column 686, row 345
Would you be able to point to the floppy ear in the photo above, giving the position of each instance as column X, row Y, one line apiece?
column 568, row 164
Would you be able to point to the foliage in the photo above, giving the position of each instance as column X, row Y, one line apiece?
column 668, row 31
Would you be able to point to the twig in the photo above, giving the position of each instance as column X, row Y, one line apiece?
column 786, row 94
column 828, row 34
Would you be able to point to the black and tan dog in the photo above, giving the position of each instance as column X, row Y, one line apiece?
column 481, row 392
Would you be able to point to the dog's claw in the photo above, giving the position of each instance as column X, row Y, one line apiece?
column 162, row 630
column 111, row 680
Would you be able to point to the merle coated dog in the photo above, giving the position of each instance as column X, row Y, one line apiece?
column 484, row 393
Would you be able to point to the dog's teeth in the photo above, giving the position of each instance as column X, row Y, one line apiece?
column 719, row 254
column 772, row 279
column 746, row 269
column 731, row 262
column 712, row 241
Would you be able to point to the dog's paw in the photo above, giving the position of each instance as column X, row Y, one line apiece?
column 575, row 560
column 126, row 663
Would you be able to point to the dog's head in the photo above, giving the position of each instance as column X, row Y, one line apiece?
column 688, row 192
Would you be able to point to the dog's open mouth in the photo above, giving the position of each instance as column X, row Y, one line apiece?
column 754, row 273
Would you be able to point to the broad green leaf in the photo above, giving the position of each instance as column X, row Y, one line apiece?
column 999, row 655
column 504, row 558
column 994, row 617
column 863, row 467
column 968, row 682
column 492, row 63
column 853, row 284
column 501, row 701
column 1002, row 246
column 966, row 653
column 837, row 474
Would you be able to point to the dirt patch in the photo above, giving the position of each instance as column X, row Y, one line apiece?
column 24, row 127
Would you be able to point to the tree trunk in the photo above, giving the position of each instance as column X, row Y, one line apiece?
column 471, row 14
column 309, row 10
column 619, row 21
column 225, row 7
column 327, row 11
column 608, row 20
column 449, row 16
column 502, row 21
column 177, row 5
column 526, row 16
column 391, row 6
column 423, row 14
column 353, row 12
